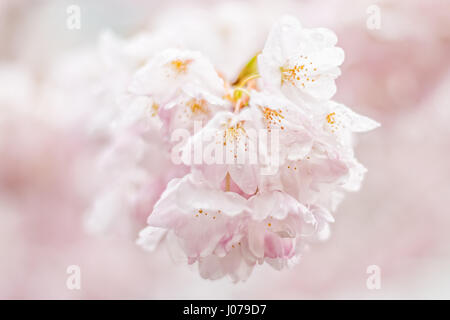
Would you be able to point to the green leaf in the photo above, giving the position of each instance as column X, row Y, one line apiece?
column 250, row 70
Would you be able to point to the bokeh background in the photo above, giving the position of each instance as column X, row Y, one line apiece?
column 398, row 74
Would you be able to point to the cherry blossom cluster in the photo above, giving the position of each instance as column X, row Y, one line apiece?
column 230, row 214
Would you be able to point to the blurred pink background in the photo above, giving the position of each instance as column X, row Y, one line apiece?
column 398, row 75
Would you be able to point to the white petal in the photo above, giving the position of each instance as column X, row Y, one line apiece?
column 150, row 237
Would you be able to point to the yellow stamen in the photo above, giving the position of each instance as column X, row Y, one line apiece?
column 180, row 66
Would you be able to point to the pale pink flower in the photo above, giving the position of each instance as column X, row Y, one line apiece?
column 224, row 232
column 295, row 127
column 227, row 141
column 302, row 62
column 171, row 70
column 192, row 104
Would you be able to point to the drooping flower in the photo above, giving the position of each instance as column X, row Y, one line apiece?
column 224, row 232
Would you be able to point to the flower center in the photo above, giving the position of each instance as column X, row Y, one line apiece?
column 272, row 117
column 179, row 65
column 213, row 214
column 331, row 118
column 298, row 72
column 334, row 122
column 197, row 106
column 154, row 109
column 234, row 133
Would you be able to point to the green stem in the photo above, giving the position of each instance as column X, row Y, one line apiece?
column 254, row 76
